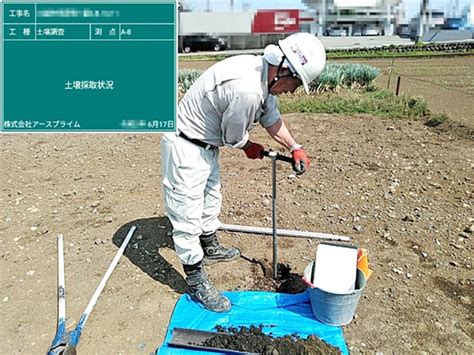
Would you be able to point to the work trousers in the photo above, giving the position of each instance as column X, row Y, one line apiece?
column 191, row 190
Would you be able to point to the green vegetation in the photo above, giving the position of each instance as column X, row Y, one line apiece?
column 379, row 103
column 436, row 119
column 333, row 77
column 186, row 77
column 345, row 89
column 344, row 75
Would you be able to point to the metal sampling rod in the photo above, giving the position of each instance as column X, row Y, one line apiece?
column 273, row 156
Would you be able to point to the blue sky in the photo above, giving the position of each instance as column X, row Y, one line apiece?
column 223, row 5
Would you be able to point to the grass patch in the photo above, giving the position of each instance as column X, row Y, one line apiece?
column 378, row 103
column 436, row 119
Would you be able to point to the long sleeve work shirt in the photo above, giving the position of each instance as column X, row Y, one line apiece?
column 227, row 101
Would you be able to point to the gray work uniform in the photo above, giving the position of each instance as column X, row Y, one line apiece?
column 219, row 109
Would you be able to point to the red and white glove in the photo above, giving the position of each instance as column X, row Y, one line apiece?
column 300, row 160
column 254, row 150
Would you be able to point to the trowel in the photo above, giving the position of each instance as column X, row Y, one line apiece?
column 195, row 339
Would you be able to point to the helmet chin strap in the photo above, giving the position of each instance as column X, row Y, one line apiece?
column 278, row 76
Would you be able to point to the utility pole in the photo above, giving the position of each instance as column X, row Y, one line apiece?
column 424, row 6
column 322, row 18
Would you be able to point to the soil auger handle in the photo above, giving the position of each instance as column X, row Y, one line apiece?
column 281, row 157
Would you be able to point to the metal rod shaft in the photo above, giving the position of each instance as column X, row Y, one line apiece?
column 274, row 217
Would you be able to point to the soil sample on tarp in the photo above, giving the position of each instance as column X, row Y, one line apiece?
column 253, row 340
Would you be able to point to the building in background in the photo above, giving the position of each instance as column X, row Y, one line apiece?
column 323, row 17
column 353, row 17
column 256, row 28
column 241, row 29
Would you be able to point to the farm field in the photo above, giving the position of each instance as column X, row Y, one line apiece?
column 400, row 189
column 446, row 83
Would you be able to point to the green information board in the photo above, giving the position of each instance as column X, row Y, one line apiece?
column 101, row 66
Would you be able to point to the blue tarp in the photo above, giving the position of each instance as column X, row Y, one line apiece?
column 279, row 313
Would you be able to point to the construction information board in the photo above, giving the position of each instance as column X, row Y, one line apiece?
column 98, row 66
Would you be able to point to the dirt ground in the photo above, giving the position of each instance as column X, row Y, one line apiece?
column 400, row 189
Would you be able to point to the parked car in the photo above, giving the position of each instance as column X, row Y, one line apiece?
column 372, row 32
column 189, row 44
column 338, row 32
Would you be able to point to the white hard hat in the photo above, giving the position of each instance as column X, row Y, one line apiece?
column 273, row 55
column 306, row 55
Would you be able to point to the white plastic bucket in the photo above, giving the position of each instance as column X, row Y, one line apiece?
column 331, row 308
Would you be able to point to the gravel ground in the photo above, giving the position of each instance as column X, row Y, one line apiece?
column 400, row 189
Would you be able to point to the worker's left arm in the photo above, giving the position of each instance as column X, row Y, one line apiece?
column 276, row 128
column 279, row 132
column 272, row 122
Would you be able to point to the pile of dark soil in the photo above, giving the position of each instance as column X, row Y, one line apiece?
column 253, row 340
column 289, row 282
column 262, row 277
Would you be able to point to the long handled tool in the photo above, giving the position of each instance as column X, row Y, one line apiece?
column 274, row 156
column 60, row 339
column 274, row 230
column 65, row 343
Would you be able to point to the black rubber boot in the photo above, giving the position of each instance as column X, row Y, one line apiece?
column 202, row 291
column 214, row 252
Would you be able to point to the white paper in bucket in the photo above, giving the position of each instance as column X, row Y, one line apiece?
column 335, row 268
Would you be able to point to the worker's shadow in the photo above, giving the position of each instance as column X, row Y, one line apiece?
column 151, row 235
